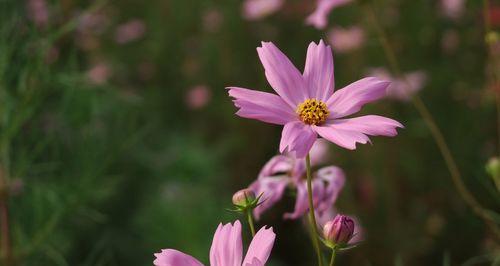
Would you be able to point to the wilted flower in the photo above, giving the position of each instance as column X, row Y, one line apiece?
column 306, row 104
column 319, row 18
column 258, row 9
column 346, row 39
column 38, row 12
column 339, row 231
column 284, row 171
column 453, row 8
column 198, row 96
column 130, row 31
column 226, row 249
column 402, row 88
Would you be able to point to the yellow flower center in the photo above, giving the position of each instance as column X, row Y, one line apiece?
column 313, row 112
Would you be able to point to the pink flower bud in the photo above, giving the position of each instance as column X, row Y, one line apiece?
column 340, row 230
column 243, row 197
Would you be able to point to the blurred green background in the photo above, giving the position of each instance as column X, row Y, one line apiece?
column 115, row 148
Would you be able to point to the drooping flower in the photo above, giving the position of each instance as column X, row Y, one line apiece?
column 307, row 106
column 319, row 18
column 258, row 9
column 344, row 40
column 402, row 88
column 284, row 171
column 226, row 250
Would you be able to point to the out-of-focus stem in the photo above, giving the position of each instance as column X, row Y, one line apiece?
column 433, row 127
column 5, row 241
column 312, row 217
column 332, row 259
column 250, row 222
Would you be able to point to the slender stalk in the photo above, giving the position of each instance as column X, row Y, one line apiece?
column 5, row 241
column 312, row 217
column 434, row 129
column 250, row 222
column 332, row 259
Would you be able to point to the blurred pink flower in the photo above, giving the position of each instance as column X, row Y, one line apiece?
column 198, row 96
column 306, row 104
column 99, row 73
column 38, row 12
column 226, row 250
column 283, row 171
column 258, row 9
column 93, row 22
column 453, row 8
column 346, row 39
column 212, row 19
column 402, row 88
column 319, row 18
column 130, row 31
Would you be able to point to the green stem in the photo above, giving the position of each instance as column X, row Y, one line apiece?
column 332, row 259
column 312, row 217
column 250, row 222
column 433, row 127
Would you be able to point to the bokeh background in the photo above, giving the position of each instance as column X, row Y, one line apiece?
column 118, row 137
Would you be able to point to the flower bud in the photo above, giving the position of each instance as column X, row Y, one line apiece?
column 243, row 197
column 493, row 168
column 339, row 231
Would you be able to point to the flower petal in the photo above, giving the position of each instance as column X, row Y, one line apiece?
column 318, row 72
column 260, row 247
column 302, row 201
column 263, row 106
column 227, row 249
column 351, row 98
column 282, row 75
column 271, row 189
column 278, row 164
column 297, row 138
column 319, row 18
column 344, row 138
column 335, row 180
column 373, row 125
column 172, row 257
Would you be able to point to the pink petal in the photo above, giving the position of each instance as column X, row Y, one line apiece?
column 271, row 189
column 282, row 75
column 260, row 247
column 350, row 99
column 226, row 249
column 297, row 138
column 318, row 72
column 319, row 18
column 258, row 9
column 335, row 179
column 263, row 106
column 373, row 125
column 278, row 164
column 302, row 202
column 344, row 138
column 172, row 257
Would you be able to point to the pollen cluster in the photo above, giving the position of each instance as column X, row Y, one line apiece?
column 312, row 112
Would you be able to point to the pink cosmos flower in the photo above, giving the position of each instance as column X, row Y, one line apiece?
column 319, row 18
column 284, row 171
column 130, row 31
column 258, row 9
column 344, row 40
column 402, row 88
column 306, row 104
column 226, row 249
column 198, row 97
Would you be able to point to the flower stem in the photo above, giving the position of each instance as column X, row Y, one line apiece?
column 5, row 241
column 250, row 222
column 433, row 127
column 312, row 217
column 332, row 259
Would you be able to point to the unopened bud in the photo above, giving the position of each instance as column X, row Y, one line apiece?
column 493, row 168
column 339, row 231
column 243, row 197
